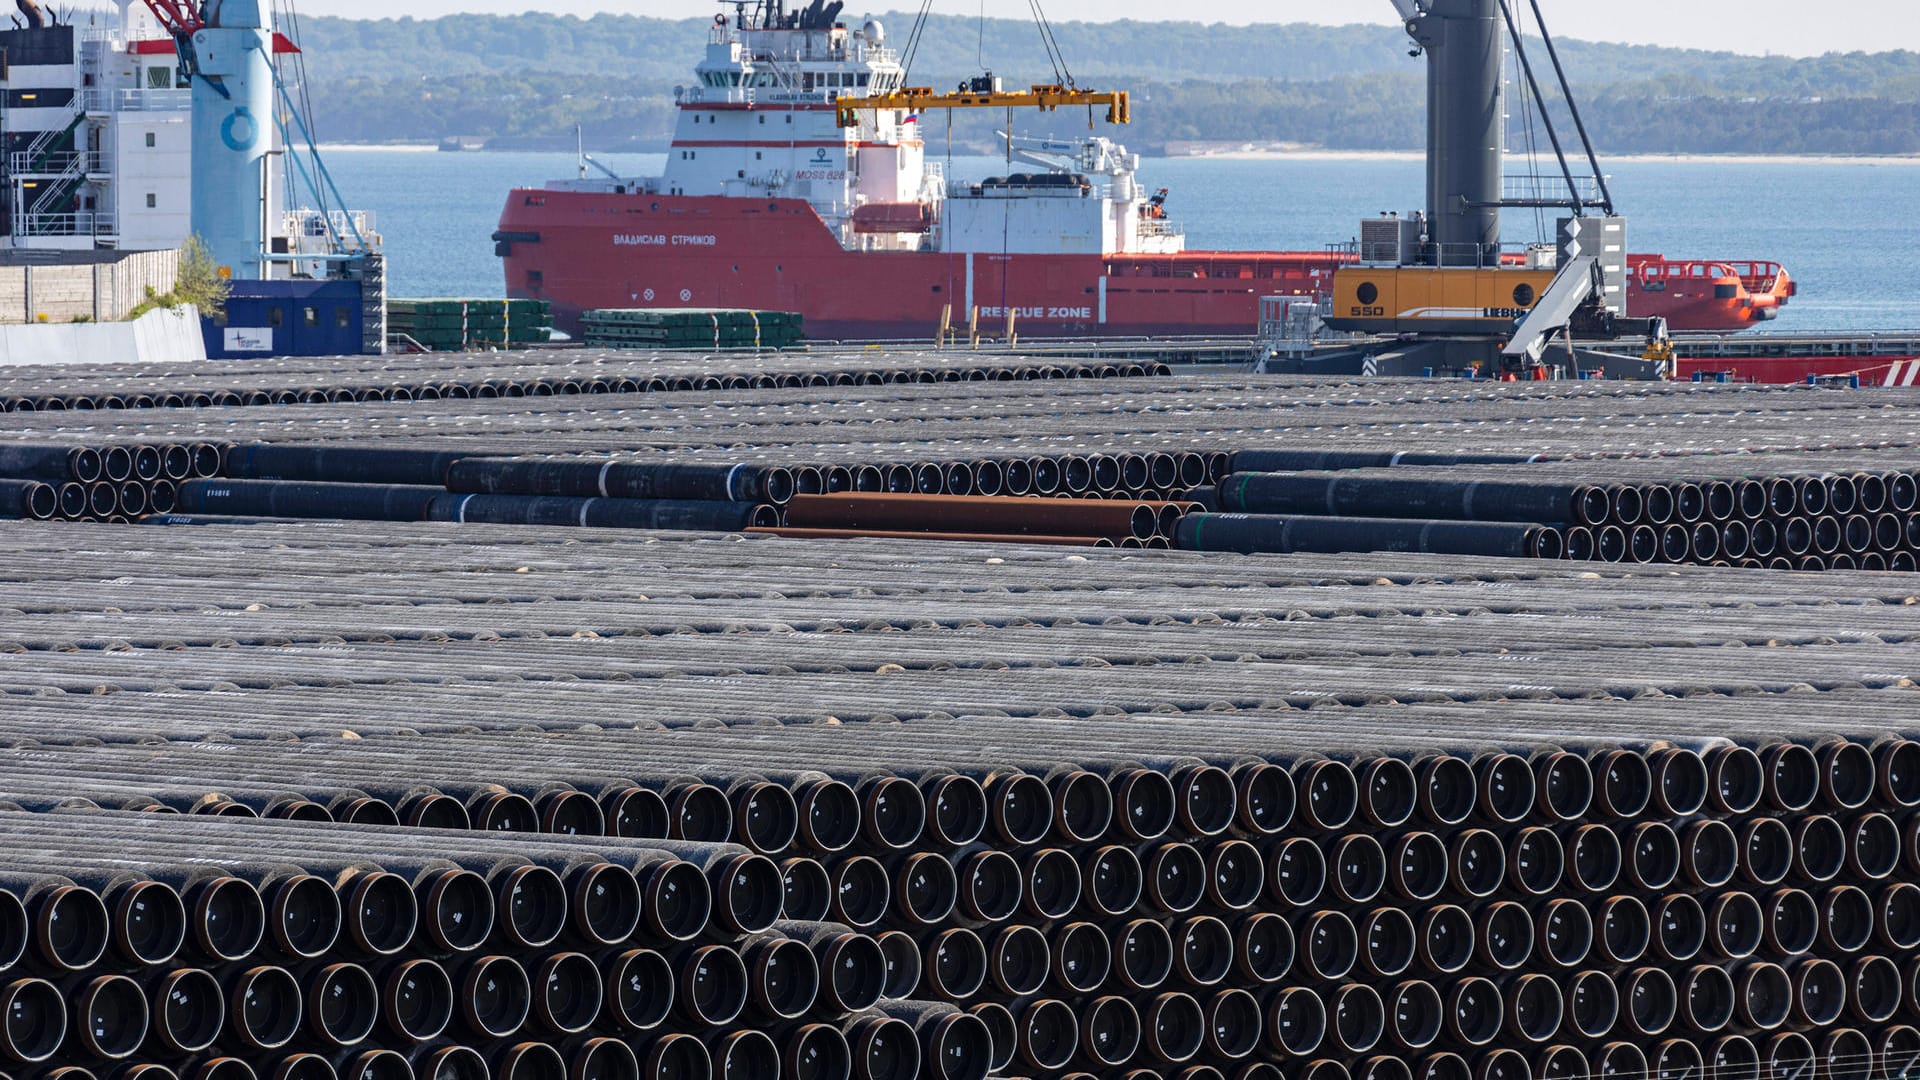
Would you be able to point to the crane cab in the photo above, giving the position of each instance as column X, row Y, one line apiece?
column 1434, row 300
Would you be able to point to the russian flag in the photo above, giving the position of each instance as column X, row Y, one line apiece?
column 911, row 118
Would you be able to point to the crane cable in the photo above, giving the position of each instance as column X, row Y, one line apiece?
column 1056, row 56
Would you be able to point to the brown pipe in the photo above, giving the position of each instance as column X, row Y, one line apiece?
column 999, row 514
column 1041, row 540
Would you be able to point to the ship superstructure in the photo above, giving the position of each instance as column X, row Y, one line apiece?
column 768, row 201
column 96, row 135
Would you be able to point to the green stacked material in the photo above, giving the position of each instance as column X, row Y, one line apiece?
column 451, row 325
column 683, row 328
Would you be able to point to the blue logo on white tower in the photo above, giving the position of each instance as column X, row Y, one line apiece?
column 240, row 131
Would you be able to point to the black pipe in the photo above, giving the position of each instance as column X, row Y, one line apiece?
column 1173, row 1028
column 1359, row 867
column 901, row 954
column 990, row 886
column 1175, row 877
column 1389, row 942
column 1448, row 790
column 1737, row 926
column 1477, row 864
column 1536, row 860
column 1143, row 954
column 1654, row 855
column 1820, row 847
column 743, row 1055
column 1298, row 872
column 1020, row 808
column 1626, row 930
column 495, row 996
column 188, row 1010
column 1333, row 944
column 713, row 985
column 455, row 909
column 1504, row 935
column 1357, row 1017
column 1417, row 1014
column 1206, row 800
column 568, row 993
column 416, row 1000
column 1680, row 927
column 1296, row 1021
column 1819, row 991
column 1534, row 1008
column 955, row 963
column 1110, row 1032
column 1203, row 950
column 1389, row 792
column 1049, row 1034
column 1446, row 939
column 1565, row 932
column 816, row 1052
column 1651, row 1000
column 264, row 1007
column 1846, row 919
column 1082, row 957
column 1475, row 1009
column 1592, row 1003
column 1594, row 857
column 806, row 890
column 1052, row 883
column 1564, row 785
column 956, row 810
column 926, row 890
column 343, row 1004
column 1018, row 960
column 883, row 1048
column 1264, row 945
column 676, row 899
column 1707, row 998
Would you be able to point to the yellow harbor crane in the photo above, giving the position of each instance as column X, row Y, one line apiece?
column 981, row 94
column 984, row 91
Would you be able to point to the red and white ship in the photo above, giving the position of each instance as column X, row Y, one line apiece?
column 767, row 203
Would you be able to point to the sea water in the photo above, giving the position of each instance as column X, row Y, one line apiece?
column 1849, row 233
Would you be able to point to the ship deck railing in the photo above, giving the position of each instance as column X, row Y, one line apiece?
column 58, row 163
column 98, row 224
column 112, row 101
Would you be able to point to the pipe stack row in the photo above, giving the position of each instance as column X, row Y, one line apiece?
column 209, row 948
column 1218, row 902
column 108, row 482
column 1413, row 780
column 398, row 379
column 1751, row 517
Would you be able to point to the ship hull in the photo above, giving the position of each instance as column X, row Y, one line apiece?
column 585, row 250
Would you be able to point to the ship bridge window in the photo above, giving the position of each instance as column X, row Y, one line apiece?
column 863, row 78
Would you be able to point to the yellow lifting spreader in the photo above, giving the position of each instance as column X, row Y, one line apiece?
column 847, row 110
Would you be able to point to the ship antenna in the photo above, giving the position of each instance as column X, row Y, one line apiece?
column 580, row 148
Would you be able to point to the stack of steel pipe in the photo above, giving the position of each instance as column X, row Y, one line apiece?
column 348, row 379
column 541, row 459
column 98, row 482
column 206, row 947
column 1751, row 515
column 1065, row 814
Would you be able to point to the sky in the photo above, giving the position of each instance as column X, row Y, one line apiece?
column 1790, row 27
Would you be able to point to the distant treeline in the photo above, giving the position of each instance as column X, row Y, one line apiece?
column 528, row 77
